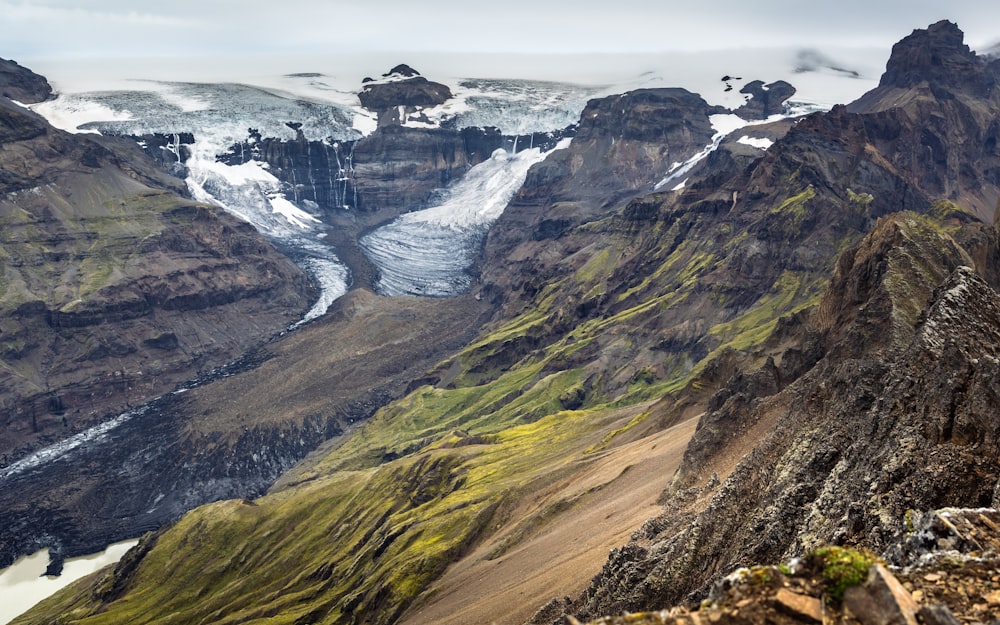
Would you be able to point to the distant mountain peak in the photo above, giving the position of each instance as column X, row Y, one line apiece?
column 939, row 56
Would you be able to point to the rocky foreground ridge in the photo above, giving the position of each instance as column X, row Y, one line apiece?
column 824, row 311
column 949, row 577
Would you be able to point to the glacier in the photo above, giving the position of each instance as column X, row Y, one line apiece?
column 428, row 252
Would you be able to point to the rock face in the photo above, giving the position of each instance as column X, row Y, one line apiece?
column 115, row 288
column 765, row 100
column 21, row 84
column 938, row 56
column 394, row 170
column 933, row 77
column 624, row 144
column 401, row 94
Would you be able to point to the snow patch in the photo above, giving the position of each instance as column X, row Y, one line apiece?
column 295, row 215
column 723, row 124
column 69, row 114
column 762, row 143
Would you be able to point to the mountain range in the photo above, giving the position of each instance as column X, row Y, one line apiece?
column 697, row 349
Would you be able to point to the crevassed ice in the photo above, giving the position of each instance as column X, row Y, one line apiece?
column 429, row 252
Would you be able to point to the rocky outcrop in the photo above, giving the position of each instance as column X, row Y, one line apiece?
column 936, row 105
column 951, row 555
column 765, row 100
column 401, row 94
column 22, row 84
column 938, row 57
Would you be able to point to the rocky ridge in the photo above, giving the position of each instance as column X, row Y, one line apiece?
column 949, row 577
column 21, row 84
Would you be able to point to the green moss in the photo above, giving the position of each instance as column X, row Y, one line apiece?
column 843, row 568
column 794, row 208
column 790, row 293
column 861, row 201
column 949, row 216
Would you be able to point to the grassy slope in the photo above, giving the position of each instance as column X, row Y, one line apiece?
column 362, row 532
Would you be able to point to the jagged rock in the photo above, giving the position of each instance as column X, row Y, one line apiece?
column 934, row 96
column 765, row 100
column 881, row 600
column 939, row 56
column 22, row 84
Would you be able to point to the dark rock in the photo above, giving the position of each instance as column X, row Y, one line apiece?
column 403, row 70
column 166, row 341
column 405, row 89
column 765, row 100
column 23, row 85
column 881, row 600
column 937, row 55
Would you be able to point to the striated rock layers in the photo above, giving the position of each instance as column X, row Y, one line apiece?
column 113, row 287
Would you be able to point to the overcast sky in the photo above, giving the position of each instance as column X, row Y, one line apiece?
column 40, row 29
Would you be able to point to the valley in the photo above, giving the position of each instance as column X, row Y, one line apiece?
column 655, row 351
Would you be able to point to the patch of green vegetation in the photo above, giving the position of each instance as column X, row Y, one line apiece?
column 348, row 545
column 861, row 201
column 949, row 215
column 911, row 277
column 794, row 208
column 843, row 568
column 789, row 294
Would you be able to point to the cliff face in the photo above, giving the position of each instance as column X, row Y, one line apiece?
column 114, row 287
column 932, row 78
column 21, row 84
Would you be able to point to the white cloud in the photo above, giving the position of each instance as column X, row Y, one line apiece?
column 92, row 28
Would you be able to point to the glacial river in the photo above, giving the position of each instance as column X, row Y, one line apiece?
column 24, row 584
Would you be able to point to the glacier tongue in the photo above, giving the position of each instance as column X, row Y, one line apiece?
column 429, row 252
